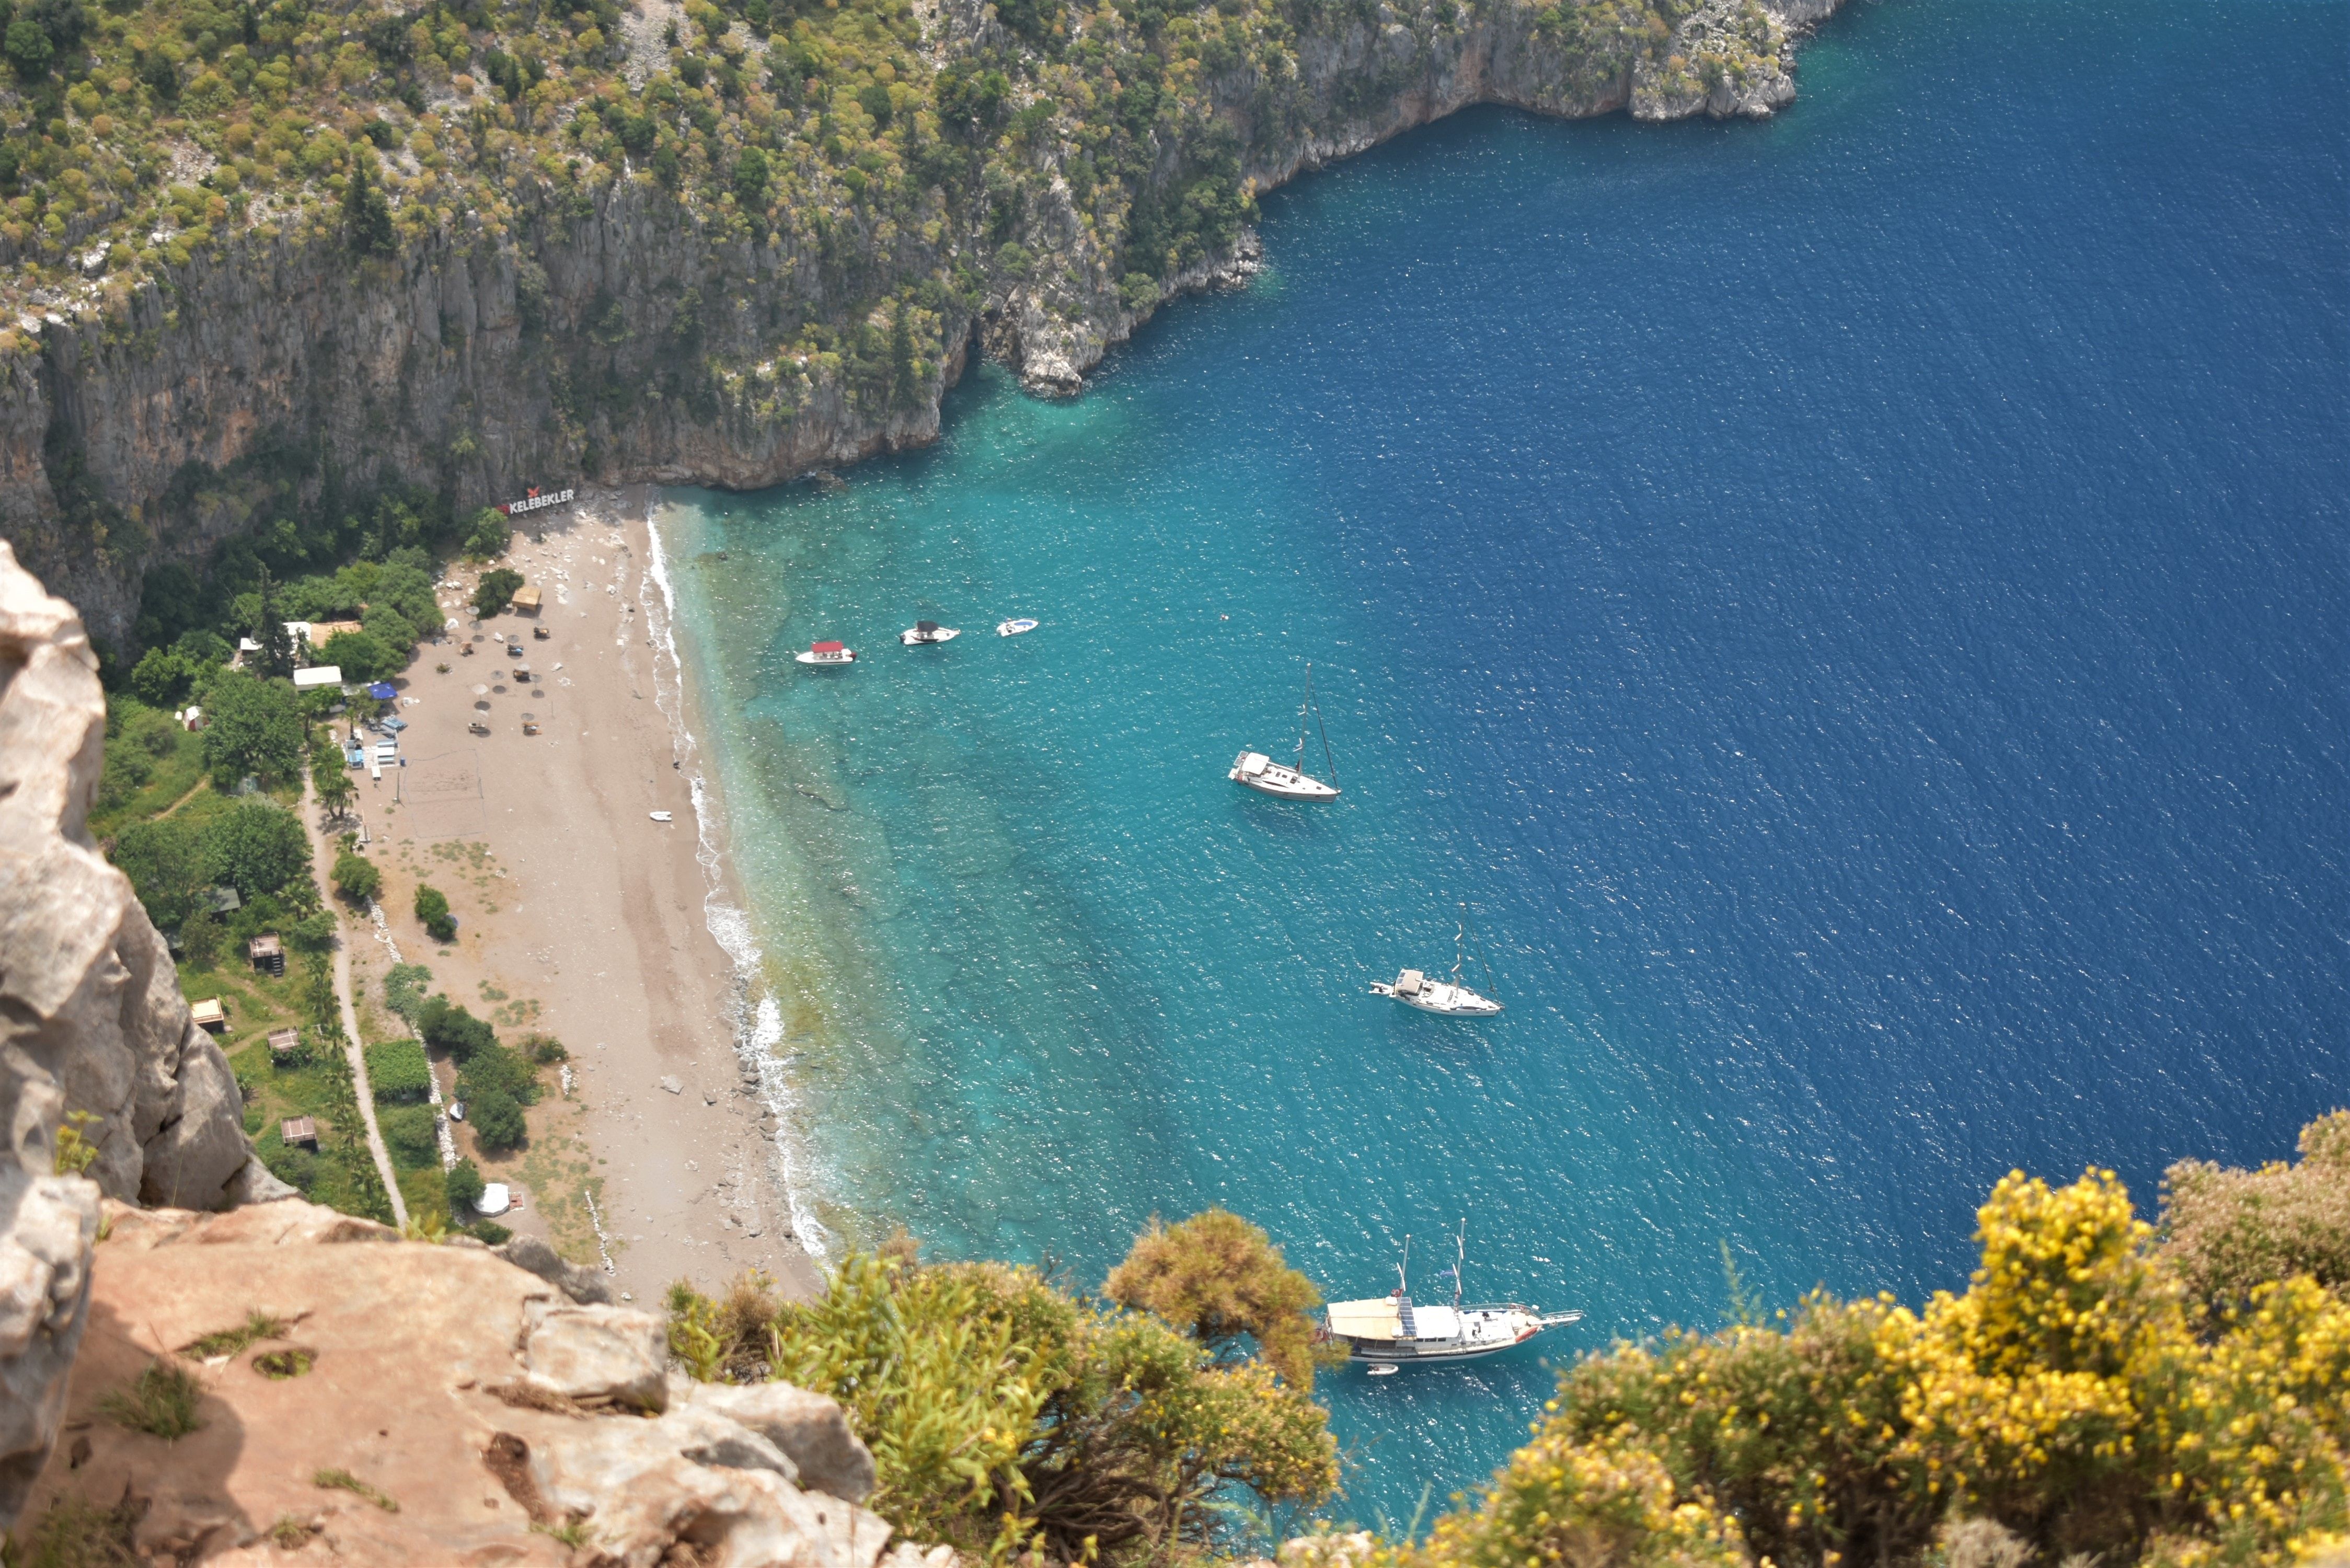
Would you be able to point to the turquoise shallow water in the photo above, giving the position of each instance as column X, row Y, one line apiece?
column 1854, row 605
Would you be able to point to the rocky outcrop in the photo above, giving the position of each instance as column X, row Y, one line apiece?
column 90, row 1021
column 417, row 1429
column 617, row 335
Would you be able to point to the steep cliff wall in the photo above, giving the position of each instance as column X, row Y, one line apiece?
column 621, row 333
column 90, row 1019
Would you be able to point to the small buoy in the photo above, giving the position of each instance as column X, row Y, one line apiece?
column 1384, row 1369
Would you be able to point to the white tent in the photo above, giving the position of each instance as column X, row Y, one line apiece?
column 318, row 675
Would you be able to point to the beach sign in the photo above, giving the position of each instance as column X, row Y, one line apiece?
column 536, row 499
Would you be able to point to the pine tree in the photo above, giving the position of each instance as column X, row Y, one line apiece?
column 367, row 215
column 277, row 642
column 904, row 391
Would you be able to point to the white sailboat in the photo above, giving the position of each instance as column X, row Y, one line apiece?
column 1262, row 774
column 1389, row 1331
column 1449, row 997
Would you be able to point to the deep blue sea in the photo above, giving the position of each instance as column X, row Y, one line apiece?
column 1856, row 607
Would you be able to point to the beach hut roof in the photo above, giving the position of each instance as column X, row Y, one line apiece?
column 265, row 945
column 284, row 1040
column 298, row 1129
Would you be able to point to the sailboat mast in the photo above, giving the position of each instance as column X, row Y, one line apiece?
column 1303, row 709
column 1459, row 1260
column 1403, row 1270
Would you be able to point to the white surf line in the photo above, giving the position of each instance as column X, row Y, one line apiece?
column 758, row 1028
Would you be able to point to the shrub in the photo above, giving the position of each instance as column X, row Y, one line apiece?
column 200, row 940
column 1005, row 1413
column 497, row 1121
column 2226, row 1232
column 447, row 1026
column 398, row 1071
column 356, row 877
column 403, row 989
column 490, row 1231
column 432, row 910
column 494, row 1069
column 464, row 1184
column 1218, row 1277
column 544, row 1049
column 411, row 1134
column 495, row 591
column 362, row 655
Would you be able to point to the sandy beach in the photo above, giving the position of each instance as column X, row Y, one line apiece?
column 581, row 916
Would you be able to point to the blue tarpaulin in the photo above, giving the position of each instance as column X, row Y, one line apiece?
column 382, row 691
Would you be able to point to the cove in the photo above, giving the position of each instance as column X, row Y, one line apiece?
column 1854, row 605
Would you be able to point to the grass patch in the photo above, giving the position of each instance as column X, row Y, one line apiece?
column 257, row 1325
column 289, row 1533
column 277, row 1365
column 75, row 1534
column 161, row 1401
column 571, row 1532
column 343, row 1480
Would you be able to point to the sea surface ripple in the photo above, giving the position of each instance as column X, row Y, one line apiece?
column 1855, row 606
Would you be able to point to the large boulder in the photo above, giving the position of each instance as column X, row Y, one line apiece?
column 596, row 1356
column 392, row 1417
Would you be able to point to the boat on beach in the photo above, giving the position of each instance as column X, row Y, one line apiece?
column 828, row 653
column 1260, row 772
column 1391, row 1331
column 1450, row 997
column 924, row 632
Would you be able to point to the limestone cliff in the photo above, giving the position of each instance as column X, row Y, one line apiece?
column 90, row 1019
column 618, row 333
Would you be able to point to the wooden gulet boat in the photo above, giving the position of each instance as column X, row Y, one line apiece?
column 1391, row 1331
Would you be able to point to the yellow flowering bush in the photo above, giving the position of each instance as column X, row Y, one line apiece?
column 2079, row 1397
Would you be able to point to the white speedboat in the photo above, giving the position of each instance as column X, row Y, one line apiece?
column 826, row 654
column 1448, row 996
column 1290, row 780
column 1392, row 1330
column 923, row 632
column 1014, row 628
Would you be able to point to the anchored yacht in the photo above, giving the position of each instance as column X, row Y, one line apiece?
column 1449, row 996
column 928, row 631
column 1390, row 1330
column 1289, row 781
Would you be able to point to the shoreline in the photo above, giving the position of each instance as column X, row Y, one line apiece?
column 651, row 1152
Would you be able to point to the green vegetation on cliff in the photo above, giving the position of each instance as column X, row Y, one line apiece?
column 2104, row 1393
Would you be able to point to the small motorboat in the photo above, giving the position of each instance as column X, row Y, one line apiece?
column 662, row 815
column 924, row 632
column 1289, row 781
column 1014, row 628
column 828, row 653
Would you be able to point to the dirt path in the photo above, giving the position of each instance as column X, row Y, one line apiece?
column 321, row 858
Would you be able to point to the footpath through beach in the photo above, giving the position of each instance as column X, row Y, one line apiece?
column 579, row 915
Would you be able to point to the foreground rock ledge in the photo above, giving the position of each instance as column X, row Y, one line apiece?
column 427, row 1385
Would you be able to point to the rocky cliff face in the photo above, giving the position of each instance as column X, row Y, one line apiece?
column 90, row 1019
column 620, row 337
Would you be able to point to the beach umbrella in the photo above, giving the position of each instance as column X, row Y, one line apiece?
column 480, row 691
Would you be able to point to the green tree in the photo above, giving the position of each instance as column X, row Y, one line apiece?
column 253, row 726
column 489, row 535
column 403, row 990
column 356, row 877
column 495, row 591
column 465, row 1184
column 366, row 215
column 164, row 860
column 335, row 787
column 159, row 678
column 497, row 1121
column 412, row 1134
column 432, row 911
column 199, row 940
column 29, row 50
column 276, row 655
column 361, row 656
column 447, row 1026
column 494, row 1068
column 1219, row 1278
column 751, row 179
column 256, row 847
